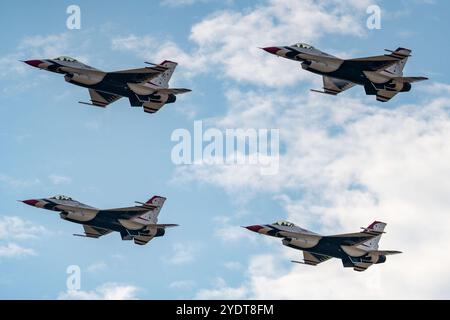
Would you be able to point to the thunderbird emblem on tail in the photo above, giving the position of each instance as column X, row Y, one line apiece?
column 138, row 223
column 357, row 250
column 145, row 87
column 380, row 75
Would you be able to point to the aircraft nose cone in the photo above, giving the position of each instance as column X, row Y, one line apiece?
column 272, row 50
column 33, row 63
column 31, row 202
column 254, row 228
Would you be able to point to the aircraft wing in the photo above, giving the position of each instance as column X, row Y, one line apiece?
column 321, row 58
column 334, row 86
column 101, row 99
column 135, row 75
column 91, row 71
column 409, row 79
column 173, row 90
column 166, row 225
column 127, row 213
column 377, row 63
column 384, row 252
column 313, row 259
column 94, row 232
column 68, row 208
column 352, row 239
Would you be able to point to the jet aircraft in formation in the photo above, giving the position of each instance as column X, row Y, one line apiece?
column 145, row 87
column 381, row 75
column 357, row 250
column 138, row 223
column 149, row 87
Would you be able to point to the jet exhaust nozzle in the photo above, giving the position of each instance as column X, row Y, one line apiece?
column 171, row 98
column 406, row 87
column 160, row 232
column 381, row 259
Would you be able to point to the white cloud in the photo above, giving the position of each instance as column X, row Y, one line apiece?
column 233, row 265
column 96, row 267
column 182, row 284
column 15, row 228
column 11, row 64
column 18, row 183
column 45, row 46
column 347, row 162
column 133, row 43
column 59, row 179
column 181, row 3
column 12, row 250
column 33, row 47
column 107, row 291
column 39, row 47
column 435, row 88
column 301, row 282
column 229, row 233
column 182, row 253
column 222, row 291
column 150, row 49
column 230, row 39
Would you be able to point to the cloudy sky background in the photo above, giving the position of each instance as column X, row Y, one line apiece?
column 345, row 161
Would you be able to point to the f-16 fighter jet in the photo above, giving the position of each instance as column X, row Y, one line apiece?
column 356, row 250
column 380, row 75
column 147, row 87
column 138, row 223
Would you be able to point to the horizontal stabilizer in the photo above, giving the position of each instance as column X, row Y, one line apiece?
column 302, row 262
column 166, row 225
column 155, row 64
column 156, row 69
column 410, row 79
column 384, row 252
column 324, row 92
column 149, row 205
column 83, row 236
column 399, row 53
column 91, row 104
column 173, row 90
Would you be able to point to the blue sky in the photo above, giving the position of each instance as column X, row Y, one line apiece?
column 49, row 144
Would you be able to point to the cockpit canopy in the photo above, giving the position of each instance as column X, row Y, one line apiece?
column 284, row 223
column 64, row 58
column 303, row 46
column 61, row 197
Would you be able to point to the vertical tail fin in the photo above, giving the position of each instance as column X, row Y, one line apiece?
column 163, row 79
column 155, row 203
column 397, row 68
column 376, row 227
